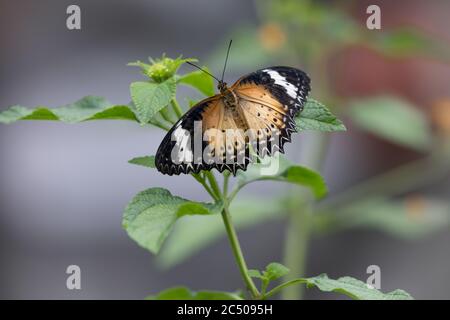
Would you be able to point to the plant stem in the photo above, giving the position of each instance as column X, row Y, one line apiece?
column 176, row 107
column 236, row 247
column 226, row 177
column 282, row 286
column 212, row 181
column 216, row 194
column 231, row 232
column 166, row 115
column 202, row 181
column 237, row 252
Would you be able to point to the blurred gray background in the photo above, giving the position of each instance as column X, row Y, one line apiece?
column 63, row 187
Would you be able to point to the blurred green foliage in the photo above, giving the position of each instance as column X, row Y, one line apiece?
column 393, row 119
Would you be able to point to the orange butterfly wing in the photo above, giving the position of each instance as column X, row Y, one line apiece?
column 270, row 99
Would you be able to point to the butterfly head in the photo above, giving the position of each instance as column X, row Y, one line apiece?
column 222, row 86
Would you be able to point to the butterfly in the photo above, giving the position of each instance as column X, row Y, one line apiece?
column 264, row 102
column 242, row 124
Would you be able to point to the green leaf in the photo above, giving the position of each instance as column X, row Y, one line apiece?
column 393, row 119
column 150, row 216
column 149, row 97
column 147, row 161
column 283, row 170
column 194, row 233
column 272, row 272
column 183, row 293
column 348, row 286
column 200, row 81
column 275, row 271
column 315, row 116
column 190, row 207
column 408, row 218
column 354, row 288
column 253, row 273
column 87, row 108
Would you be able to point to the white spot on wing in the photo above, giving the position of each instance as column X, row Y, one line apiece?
column 291, row 89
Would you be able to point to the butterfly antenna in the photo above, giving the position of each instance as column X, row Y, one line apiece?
column 202, row 70
column 226, row 60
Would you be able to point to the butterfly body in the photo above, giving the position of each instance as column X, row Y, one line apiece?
column 253, row 116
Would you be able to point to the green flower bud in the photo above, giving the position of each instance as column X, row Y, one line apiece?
column 161, row 69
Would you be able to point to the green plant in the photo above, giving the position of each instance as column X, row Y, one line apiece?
column 152, row 213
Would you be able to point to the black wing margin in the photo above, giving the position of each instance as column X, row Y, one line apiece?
column 177, row 147
column 290, row 86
